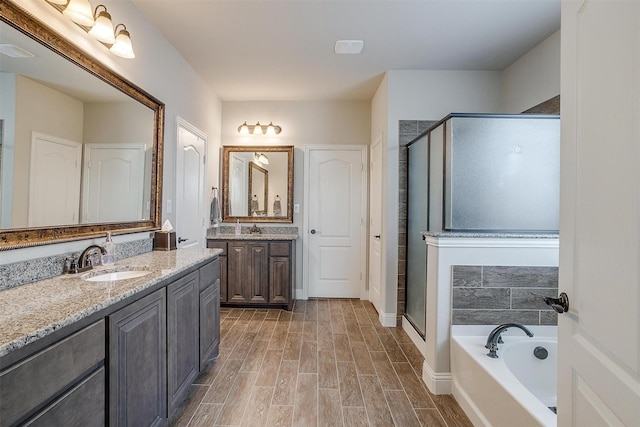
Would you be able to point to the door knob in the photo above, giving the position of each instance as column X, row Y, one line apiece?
column 560, row 304
column 180, row 240
column 313, row 231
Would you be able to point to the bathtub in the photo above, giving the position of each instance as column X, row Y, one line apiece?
column 516, row 388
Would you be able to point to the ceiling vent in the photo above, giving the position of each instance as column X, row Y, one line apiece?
column 348, row 47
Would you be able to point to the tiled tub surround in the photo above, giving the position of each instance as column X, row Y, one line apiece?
column 445, row 250
column 490, row 295
column 34, row 311
column 19, row 273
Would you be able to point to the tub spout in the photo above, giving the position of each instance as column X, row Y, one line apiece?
column 495, row 337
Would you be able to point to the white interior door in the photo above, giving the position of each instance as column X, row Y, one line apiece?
column 112, row 182
column 599, row 364
column 190, row 224
column 54, row 181
column 375, row 225
column 335, row 198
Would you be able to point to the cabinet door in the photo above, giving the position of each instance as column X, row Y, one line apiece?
column 182, row 337
column 237, row 265
column 209, row 323
column 279, row 279
column 257, row 280
column 137, row 362
column 223, row 278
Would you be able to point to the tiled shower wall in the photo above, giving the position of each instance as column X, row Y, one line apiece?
column 490, row 295
column 409, row 131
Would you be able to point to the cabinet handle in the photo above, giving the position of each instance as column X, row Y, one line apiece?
column 313, row 231
column 180, row 240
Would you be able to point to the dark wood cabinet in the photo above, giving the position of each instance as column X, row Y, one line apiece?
column 183, row 341
column 258, row 272
column 130, row 364
column 138, row 363
column 63, row 384
column 209, row 312
column 247, row 272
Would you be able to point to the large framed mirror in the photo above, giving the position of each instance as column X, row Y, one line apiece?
column 257, row 183
column 81, row 152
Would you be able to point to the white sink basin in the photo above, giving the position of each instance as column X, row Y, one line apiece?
column 117, row 275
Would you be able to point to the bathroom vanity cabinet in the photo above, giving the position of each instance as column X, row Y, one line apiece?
column 130, row 363
column 258, row 272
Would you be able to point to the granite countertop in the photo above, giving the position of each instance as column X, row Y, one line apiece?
column 488, row 235
column 230, row 236
column 32, row 311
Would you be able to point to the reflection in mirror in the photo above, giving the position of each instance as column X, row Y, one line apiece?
column 258, row 190
column 257, row 183
column 81, row 147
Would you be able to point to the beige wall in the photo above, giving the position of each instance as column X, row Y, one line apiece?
column 303, row 123
column 44, row 110
column 534, row 78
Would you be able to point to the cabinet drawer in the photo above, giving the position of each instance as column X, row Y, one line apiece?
column 214, row 244
column 279, row 249
column 209, row 274
column 42, row 376
column 84, row 405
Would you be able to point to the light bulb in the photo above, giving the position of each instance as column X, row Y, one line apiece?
column 103, row 28
column 258, row 129
column 243, row 129
column 79, row 11
column 122, row 46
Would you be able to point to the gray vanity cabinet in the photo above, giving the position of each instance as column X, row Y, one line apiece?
column 183, row 361
column 209, row 312
column 138, row 362
column 256, row 272
column 63, row 384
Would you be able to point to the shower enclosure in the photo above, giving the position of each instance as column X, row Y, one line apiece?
column 479, row 173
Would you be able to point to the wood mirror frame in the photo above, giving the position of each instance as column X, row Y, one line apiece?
column 14, row 238
column 287, row 210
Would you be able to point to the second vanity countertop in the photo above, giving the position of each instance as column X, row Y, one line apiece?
column 32, row 311
column 253, row 237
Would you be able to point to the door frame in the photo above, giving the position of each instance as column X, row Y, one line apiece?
column 364, row 212
column 378, row 141
column 182, row 123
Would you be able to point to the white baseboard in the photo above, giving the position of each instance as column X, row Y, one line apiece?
column 388, row 320
column 437, row 382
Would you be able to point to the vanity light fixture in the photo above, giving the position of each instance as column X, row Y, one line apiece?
column 79, row 11
column 122, row 46
column 258, row 129
column 98, row 24
column 261, row 158
column 103, row 28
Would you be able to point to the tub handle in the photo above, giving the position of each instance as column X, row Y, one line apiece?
column 560, row 304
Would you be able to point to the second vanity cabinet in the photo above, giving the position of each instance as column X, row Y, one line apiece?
column 258, row 272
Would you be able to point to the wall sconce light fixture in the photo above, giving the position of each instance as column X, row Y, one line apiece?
column 258, row 129
column 98, row 24
column 261, row 158
column 102, row 30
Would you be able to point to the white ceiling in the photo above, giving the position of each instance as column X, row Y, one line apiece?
column 283, row 50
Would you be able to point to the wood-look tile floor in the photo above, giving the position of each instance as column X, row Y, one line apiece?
column 328, row 362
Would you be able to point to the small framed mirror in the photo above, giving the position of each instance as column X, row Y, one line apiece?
column 257, row 183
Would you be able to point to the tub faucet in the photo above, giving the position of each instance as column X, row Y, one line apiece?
column 495, row 337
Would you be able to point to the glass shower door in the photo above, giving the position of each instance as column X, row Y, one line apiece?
column 417, row 221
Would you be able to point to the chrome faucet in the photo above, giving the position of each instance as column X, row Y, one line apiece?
column 84, row 261
column 495, row 337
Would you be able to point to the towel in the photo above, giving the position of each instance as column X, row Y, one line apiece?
column 214, row 214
